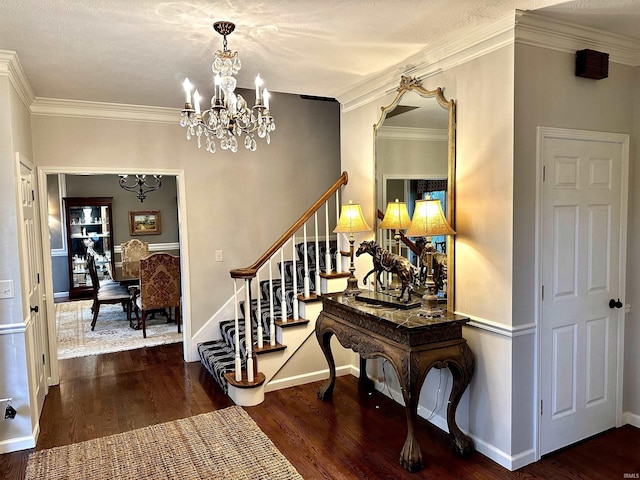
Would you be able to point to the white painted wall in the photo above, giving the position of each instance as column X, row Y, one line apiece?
column 563, row 100
column 483, row 91
column 15, row 136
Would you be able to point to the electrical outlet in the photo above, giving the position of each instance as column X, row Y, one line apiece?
column 6, row 289
column 218, row 255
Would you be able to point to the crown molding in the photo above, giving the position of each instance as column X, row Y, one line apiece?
column 413, row 133
column 431, row 61
column 519, row 27
column 106, row 111
column 10, row 66
column 540, row 31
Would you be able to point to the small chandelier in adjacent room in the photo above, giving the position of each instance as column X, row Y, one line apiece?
column 140, row 186
column 229, row 116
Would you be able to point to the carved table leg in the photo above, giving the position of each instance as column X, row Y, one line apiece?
column 411, row 376
column 325, row 392
column 461, row 368
column 364, row 382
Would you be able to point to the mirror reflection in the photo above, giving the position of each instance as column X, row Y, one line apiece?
column 415, row 160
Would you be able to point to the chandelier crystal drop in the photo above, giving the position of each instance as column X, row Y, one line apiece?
column 229, row 116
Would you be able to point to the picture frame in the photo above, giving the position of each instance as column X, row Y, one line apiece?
column 144, row 222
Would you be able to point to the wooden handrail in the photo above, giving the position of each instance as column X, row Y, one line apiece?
column 412, row 246
column 251, row 271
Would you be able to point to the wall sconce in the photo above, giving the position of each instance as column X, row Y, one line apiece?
column 351, row 221
column 140, row 186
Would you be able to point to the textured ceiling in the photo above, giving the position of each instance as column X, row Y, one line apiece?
column 138, row 52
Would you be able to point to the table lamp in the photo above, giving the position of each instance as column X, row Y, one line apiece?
column 396, row 218
column 428, row 221
column 351, row 221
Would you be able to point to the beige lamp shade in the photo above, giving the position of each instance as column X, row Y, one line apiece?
column 396, row 217
column 428, row 220
column 351, row 219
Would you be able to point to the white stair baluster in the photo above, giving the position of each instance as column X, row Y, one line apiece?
column 272, row 325
column 247, row 330
column 238, row 361
column 296, row 308
column 327, row 240
column 338, row 255
column 307, row 287
column 260, row 332
column 283, row 299
column 317, row 258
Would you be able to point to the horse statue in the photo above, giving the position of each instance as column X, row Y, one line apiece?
column 383, row 260
column 439, row 263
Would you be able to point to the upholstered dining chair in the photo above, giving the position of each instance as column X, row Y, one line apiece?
column 133, row 250
column 159, row 287
column 110, row 293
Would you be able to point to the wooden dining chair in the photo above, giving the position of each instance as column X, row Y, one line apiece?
column 159, row 287
column 111, row 293
column 134, row 250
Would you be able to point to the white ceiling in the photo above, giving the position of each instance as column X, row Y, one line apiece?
column 139, row 51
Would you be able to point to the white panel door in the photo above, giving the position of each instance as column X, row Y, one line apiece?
column 30, row 238
column 580, row 258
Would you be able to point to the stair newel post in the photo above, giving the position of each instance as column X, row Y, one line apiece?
column 283, row 298
column 317, row 259
column 238, row 360
column 327, row 240
column 339, row 253
column 296, row 309
column 272, row 325
column 307, row 287
column 260, row 330
column 248, row 333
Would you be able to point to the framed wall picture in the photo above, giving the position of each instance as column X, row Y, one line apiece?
column 144, row 222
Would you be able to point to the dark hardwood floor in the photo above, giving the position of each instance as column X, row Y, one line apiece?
column 354, row 436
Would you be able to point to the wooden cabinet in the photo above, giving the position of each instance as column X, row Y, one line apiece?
column 89, row 232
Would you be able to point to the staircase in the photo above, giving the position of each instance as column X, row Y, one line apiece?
column 276, row 302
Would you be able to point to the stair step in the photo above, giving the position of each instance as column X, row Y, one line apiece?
column 267, row 348
column 218, row 358
column 291, row 322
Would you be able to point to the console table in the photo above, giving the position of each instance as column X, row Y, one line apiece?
column 413, row 345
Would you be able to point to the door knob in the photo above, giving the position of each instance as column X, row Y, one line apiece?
column 614, row 304
column 34, row 309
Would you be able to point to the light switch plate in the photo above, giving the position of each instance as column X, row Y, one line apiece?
column 218, row 255
column 6, row 288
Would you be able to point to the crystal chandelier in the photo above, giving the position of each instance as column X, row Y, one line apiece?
column 229, row 116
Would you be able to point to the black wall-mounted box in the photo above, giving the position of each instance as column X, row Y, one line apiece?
column 592, row 64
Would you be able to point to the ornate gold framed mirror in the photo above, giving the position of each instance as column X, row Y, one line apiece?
column 414, row 148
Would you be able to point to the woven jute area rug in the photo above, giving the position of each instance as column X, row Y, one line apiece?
column 225, row 444
column 112, row 332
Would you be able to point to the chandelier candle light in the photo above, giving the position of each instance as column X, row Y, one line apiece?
column 229, row 116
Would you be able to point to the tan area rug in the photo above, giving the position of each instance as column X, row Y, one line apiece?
column 225, row 444
column 112, row 332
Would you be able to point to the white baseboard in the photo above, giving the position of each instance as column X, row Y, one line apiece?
column 510, row 462
column 296, row 380
column 631, row 419
column 61, row 295
column 16, row 444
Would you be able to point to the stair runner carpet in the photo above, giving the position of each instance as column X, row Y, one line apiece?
column 218, row 356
